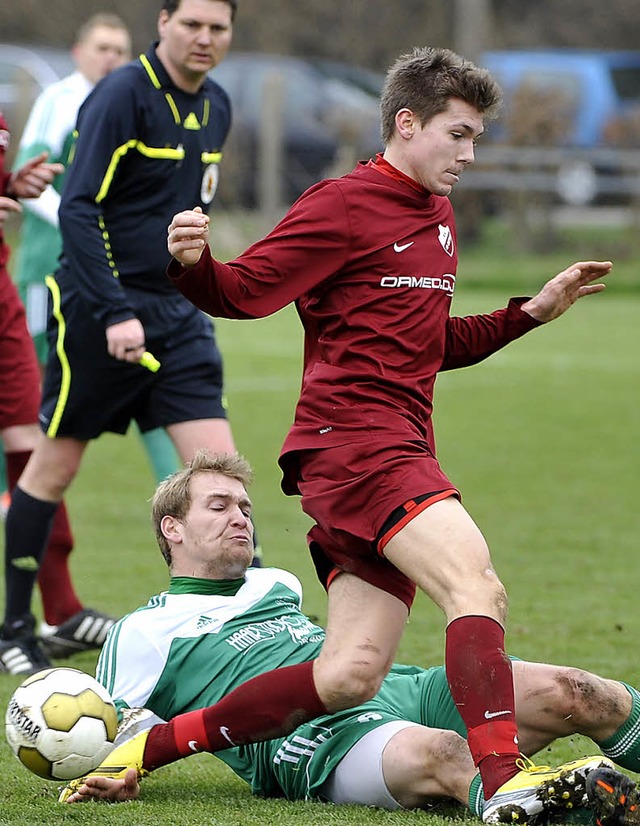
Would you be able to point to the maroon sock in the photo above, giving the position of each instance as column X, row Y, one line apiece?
column 270, row 705
column 59, row 600
column 481, row 683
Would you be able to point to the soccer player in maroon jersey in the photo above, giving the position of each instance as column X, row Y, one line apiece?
column 370, row 260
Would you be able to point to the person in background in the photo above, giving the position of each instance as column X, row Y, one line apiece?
column 19, row 401
column 149, row 136
column 102, row 44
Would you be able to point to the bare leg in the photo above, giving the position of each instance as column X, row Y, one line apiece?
column 364, row 626
column 421, row 765
column 557, row 701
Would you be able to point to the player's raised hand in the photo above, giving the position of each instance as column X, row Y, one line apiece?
column 31, row 179
column 566, row 288
column 187, row 236
column 7, row 205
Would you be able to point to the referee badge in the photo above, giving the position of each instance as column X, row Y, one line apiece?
column 209, row 183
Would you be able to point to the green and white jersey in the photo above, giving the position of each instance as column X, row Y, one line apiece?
column 193, row 644
column 50, row 128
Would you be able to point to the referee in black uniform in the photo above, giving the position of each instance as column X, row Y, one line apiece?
column 124, row 344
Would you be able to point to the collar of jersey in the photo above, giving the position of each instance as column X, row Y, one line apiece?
column 383, row 165
column 198, row 585
column 160, row 72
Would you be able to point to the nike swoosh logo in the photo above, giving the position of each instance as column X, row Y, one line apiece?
column 489, row 714
column 193, row 745
column 25, row 563
column 224, row 731
column 402, row 247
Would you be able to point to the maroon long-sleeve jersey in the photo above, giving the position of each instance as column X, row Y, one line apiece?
column 370, row 260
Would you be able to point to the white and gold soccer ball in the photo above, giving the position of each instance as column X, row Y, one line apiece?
column 61, row 723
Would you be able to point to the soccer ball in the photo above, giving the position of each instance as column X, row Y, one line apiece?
column 61, row 723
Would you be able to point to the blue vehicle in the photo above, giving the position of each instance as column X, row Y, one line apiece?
column 598, row 88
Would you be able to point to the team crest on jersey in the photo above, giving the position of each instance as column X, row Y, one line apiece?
column 446, row 239
column 209, row 183
column 4, row 139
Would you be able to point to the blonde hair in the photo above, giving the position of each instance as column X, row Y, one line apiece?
column 173, row 496
column 100, row 20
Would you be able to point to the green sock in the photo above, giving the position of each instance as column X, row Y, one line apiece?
column 4, row 482
column 476, row 796
column 623, row 747
column 161, row 452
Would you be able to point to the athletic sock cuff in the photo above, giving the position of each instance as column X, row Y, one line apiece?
column 628, row 734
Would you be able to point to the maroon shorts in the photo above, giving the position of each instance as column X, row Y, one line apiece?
column 359, row 496
column 19, row 370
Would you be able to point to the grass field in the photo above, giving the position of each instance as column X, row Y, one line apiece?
column 543, row 441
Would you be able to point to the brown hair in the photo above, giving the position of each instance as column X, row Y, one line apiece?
column 173, row 496
column 173, row 5
column 424, row 81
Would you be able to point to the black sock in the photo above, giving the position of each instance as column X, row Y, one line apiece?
column 27, row 528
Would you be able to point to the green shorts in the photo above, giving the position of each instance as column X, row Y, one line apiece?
column 296, row 767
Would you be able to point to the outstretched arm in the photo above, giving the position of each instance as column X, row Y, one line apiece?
column 566, row 288
column 473, row 338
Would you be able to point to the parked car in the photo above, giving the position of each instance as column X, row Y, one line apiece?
column 583, row 108
column 320, row 114
column 595, row 87
column 323, row 112
column 367, row 80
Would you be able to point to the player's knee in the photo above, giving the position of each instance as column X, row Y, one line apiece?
column 347, row 683
column 481, row 594
column 431, row 764
column 50, row 470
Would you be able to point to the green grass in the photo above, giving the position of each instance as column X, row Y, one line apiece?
column 543, row 441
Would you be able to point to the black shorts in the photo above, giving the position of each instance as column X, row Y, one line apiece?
column 87, row 392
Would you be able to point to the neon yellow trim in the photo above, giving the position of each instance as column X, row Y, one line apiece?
column 191, row 122
column 72, row 150
column 211, row 157
column 153, row 77
column 149, row 152
column 65, row 383
column 205, row 112
column 107, row 247
column 173, row 107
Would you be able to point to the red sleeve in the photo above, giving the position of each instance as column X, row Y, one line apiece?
column 309, row 246
column 473, row 338
column 4, row 180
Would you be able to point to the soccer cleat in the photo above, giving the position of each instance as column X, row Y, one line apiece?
column 536, row 790
column 84, row 631
column 127, row 756
column 20, row 652
column 615, row 798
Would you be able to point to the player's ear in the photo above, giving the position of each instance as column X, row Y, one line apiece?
column 405, row 123
column 171, row 528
